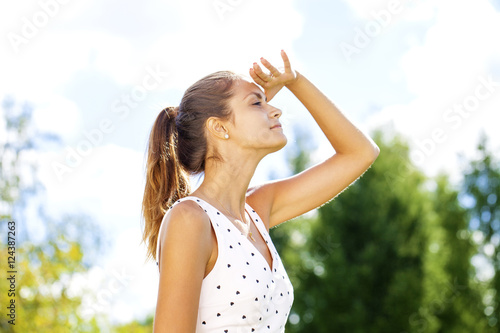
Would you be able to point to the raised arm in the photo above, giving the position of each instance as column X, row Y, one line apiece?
column 285, row 199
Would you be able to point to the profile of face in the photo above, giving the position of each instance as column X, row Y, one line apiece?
column 256, row 124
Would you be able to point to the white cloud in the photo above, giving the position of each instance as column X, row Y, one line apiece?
column 108, row 186
column 206, row 43
column 58, row 115
column 107, row 183
column 410, row 10
column 121, row 285
column 109, row 54
column 138, row 297
column 453, row 53
column 3, row 127
column 444, row 71
column 37, row 74
column 363, row 8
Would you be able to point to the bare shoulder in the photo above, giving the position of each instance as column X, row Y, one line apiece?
column 188, row 210
column 186, row 225
column 185, row 249
column 185, row 218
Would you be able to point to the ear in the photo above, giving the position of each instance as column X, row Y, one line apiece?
column 216, row 127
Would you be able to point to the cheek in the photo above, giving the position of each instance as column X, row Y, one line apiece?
column 255, row 134
column 254, row 126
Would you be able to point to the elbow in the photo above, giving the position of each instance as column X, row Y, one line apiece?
column 364, row 157
column 371, row 154
column 376, row 151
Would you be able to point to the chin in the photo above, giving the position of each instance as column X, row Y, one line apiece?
column 270, row 143
column 279, row 145
column 285, row 141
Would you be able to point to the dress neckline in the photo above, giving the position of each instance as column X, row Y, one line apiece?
column 247, row 208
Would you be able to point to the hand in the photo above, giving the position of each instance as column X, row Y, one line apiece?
column 275, row 80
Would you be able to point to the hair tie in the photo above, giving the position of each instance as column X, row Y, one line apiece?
column 171, row 111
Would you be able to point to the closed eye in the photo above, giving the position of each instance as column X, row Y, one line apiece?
column 257, row 103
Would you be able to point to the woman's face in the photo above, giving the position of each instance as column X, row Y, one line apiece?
column 256, row 123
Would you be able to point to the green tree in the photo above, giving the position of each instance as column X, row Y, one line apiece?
column 453, row 297
column 44, row 269
column 136, row 326
column 384, row 256
column 377, row 268
column 481, row 191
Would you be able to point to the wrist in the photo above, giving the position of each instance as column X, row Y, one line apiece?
column 294, row 82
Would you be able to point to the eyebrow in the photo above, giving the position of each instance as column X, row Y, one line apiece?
column 258, row 94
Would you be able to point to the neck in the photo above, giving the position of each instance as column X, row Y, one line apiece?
column 226, row 183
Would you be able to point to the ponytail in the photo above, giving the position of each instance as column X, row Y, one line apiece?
column 166, row 179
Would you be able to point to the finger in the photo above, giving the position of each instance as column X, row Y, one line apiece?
column 256, row 78
column 260, row 73
column 286, row 62
column 271, row 68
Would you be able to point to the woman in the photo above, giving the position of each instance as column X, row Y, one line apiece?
column 219, row 270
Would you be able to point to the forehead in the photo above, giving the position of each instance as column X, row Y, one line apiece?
column 244, row 87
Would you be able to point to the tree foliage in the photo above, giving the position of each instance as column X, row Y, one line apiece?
column 390, row 254
column 42, row 292
column 481, row 192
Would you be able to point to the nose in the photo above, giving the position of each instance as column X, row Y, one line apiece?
column 275, row 112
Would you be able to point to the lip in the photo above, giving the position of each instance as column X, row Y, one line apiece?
column 276, row 126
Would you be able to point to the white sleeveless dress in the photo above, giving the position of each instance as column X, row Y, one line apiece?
column 242, row 293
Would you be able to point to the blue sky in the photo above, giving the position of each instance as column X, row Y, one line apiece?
column 98, row 73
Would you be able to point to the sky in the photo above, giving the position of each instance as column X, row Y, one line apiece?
column 98, row 72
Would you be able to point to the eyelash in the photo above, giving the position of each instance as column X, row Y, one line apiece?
column 258, row 103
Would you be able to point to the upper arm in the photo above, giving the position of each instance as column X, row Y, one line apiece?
column 185, row 244
column 285, row 199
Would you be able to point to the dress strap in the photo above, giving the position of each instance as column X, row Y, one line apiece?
column 253, row 214
column 192, row 198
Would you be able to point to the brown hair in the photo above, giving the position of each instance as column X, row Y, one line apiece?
column 177, row 147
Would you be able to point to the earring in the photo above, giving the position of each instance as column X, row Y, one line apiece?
column 226, row 136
